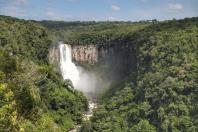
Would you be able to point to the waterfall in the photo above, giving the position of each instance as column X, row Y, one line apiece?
column 80, row 80
column 83, row 80
column 68, row 69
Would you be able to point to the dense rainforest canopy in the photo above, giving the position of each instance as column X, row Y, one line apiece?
column 33, row 97
column 163, row 97
column 161, row 94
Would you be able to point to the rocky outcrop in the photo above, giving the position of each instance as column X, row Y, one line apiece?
column 85, row 54
column 54, row 56
column 117, row 60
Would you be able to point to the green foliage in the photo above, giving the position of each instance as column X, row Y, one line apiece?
column 46, row 124
column 8, row 114
column 161, row 93
column 33, row 97
column 164, row 94
column 97, row 33
column 143, row 126
column 24, row 38
column 86, row 127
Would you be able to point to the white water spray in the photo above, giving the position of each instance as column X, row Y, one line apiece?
column 85, row 81
column 68, row 69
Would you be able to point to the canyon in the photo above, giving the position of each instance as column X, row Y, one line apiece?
column 115, row 60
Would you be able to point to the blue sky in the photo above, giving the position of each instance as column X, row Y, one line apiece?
column 99, row 10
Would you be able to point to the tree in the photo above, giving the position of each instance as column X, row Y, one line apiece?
column 8, row 113
column 143, row 126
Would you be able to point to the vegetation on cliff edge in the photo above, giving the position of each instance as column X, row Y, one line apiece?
column 33, row 97
column 160, row 95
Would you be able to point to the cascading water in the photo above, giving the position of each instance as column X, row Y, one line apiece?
column 82, row 80
column 85, row 81
column 68, row 69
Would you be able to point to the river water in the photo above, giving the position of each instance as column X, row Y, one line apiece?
column 87, row 115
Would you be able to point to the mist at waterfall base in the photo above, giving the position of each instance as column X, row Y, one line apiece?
column 86, row 81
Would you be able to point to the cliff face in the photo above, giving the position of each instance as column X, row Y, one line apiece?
column 85, row 54
column 54, row 56
column 116, row 60
column 119, row 60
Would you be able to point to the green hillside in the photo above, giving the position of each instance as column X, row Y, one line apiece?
column 163, row 97
column 160, row 94
column 33, row 97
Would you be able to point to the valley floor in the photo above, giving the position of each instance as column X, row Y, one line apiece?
column 87, row 115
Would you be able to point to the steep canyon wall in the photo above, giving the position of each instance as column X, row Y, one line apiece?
column 116, row 60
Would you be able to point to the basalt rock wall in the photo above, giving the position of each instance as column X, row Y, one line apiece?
column 117, row 60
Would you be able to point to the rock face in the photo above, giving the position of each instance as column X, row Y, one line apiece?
column 117, row 60
column 85, row 54
column 54, row 56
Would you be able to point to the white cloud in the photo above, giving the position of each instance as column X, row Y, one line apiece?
column 13, row 11
column 50, row 14
column 111, row 18
column 115, row 7
column 175, row 7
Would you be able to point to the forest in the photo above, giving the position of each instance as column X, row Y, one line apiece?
column 159, row 95
column 33, row 97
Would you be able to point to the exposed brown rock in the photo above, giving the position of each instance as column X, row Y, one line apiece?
column 116, row 59
column 85, row 54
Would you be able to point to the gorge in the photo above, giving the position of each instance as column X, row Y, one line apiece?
column 142, row 74
column 83, row 80
column 111, row 63
column 88, row 82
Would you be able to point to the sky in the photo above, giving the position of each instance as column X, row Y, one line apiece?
column 99, row 10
